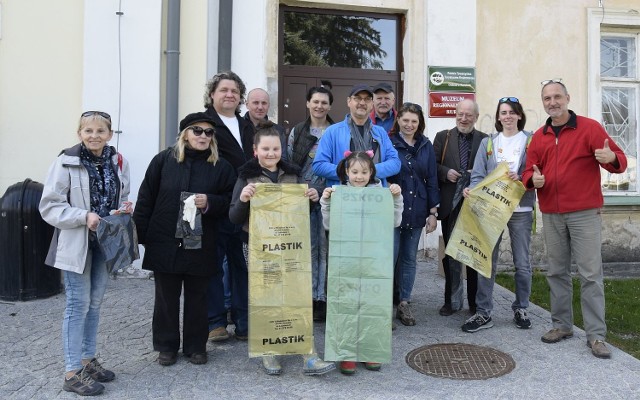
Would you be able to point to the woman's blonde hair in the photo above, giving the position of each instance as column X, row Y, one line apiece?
column 89, row 116
column 178, row 148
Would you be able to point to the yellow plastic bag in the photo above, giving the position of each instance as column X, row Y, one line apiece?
column 483, row 217
column 280, row 311
column 360, row 277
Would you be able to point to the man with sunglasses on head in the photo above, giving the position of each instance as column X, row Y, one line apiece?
column 563, row 165
column 383, row 113
column 456, row 150
column 234, row 134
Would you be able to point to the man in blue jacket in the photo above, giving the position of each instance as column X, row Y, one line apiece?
column 356, row 133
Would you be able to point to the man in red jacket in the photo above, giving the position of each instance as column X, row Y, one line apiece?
column 563, row 165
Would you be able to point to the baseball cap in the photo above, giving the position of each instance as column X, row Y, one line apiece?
column 383, row 86
column 361, row 87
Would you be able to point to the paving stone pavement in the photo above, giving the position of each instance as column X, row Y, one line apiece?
column 31, row 363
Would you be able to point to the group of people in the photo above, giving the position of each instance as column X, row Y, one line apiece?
column 192, row 211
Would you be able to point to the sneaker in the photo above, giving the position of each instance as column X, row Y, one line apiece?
column 83, row 384
column 599, row 348
column 98, row 373
column 477, row 322
column 373, row 366
column 446, row 310
column 404, row 314
column 219, row 334
column 348, row 367
column 198, row 358
column 521, row 319
column 555, row 335
column 166, row 358
column 314, row 365
column 271, row 365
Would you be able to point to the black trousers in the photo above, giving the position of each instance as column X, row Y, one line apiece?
column 472, row 274
column 166, row 313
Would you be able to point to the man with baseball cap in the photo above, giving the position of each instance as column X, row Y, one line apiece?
column 356, row 133
column 383, row 114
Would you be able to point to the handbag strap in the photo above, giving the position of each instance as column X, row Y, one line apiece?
column 444, row 150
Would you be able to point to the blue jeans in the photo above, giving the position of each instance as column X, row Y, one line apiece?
column 318, row 255
column 519, row 226
column 405, row 249
column 84, row 294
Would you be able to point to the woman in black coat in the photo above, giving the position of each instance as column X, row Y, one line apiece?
column 186, row 189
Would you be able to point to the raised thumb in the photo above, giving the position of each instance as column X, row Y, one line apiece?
column 535, row 169
column 606, row 143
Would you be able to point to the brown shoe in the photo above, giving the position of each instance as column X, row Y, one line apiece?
column 599, row 348
column 446, row 310
column 219, row 334
column 555, row 335
column 198, row 358
column 166, row 358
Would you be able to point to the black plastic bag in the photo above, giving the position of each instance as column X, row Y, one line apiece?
column 118, row 240
column 463, row 181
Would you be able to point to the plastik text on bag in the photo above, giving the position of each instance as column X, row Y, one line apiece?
column 283, row 340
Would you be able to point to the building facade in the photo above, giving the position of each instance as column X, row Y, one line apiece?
column 146, row 63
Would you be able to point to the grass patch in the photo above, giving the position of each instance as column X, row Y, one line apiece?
column 622, row 307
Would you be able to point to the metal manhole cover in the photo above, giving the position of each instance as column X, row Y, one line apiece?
column 460, row 361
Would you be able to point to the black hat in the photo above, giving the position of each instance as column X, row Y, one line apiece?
column 360, row 87
column 383, row 86
column 194, row 118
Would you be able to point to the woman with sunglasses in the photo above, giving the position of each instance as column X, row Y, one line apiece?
column 185, row 192
column 419, row 182
column 84, row 184
column 508, row 145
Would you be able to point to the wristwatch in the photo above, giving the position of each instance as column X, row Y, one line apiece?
column 435, row 214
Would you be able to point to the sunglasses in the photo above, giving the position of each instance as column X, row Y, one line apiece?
column 509, row 99
column 414, row 105
column 548, row 81
column 208, row 132
column 98, row 113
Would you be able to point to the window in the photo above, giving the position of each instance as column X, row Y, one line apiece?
column 330, row 40
column 614, row 92
column 620, row 85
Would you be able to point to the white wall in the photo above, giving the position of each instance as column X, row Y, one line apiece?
column 141, row 54
column 451, row 41
column 40, row 86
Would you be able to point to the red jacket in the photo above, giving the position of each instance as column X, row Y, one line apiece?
column 571, row 172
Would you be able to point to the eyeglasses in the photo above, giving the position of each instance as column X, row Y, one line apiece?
column 414, row 105
column 359, row 99
column 509, row 99
column 548, row 81
column 98, row 113
column 197, row 130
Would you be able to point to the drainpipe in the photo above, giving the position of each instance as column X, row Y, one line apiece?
column 224, row 34
column 173, row 68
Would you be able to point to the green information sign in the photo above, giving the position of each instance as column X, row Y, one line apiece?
column 452, row 79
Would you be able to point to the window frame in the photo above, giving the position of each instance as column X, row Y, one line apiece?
column 622, row 23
